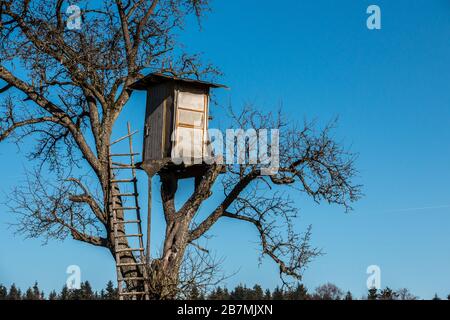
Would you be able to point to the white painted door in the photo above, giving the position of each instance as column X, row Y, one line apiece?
column 191, row 124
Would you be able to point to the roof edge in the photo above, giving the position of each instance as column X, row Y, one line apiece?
column 153, row 79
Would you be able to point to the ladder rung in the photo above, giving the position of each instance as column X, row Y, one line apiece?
column 132, row 264
column 131, row 235
column 126, row 208
column 120, row 164
column 127, row 221
column 124, row 154
column 124, row 137
column 123, row 181
column 131, row 278
column 131, row 293
column 123, row 167
column 130, row 250
column 126, row 195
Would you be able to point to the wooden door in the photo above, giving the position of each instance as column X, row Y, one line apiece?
column 191, row 124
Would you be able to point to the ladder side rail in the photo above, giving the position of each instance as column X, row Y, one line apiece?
column 115, row 231
column 138, row 211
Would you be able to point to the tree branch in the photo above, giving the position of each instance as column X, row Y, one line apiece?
column 204, row 226
column 61, row 116
column 5, row 133
column 88, row 199
column 301, row 252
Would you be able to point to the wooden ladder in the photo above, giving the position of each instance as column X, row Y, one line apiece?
column 138, row 253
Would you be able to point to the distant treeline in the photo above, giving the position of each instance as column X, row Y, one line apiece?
column 325, row 292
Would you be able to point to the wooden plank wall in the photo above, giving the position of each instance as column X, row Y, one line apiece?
column 158, row 122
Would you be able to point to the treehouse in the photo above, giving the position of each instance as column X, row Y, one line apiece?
column 176, row 123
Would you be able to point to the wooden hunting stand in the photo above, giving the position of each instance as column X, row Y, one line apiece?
column 176, row 123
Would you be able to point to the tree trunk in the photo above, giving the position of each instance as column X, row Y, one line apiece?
column 164, row 273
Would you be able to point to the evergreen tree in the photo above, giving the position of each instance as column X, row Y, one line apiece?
column 257, row 293
column 226, row 294
column 86, row 292
column 14, row 293
column 29, row 295
column 53, row 295
column 194, row 294
column 36, row 292
column 111, row 291
column 348, row 296
column 65, row 294
column 216, row 294
column 436, row 297
column 387, row 294
column 239, row 293
column 299, row 293
column 75, row 294
column 267, row 295
column 373, row 294
column 219, row 294
column 3, row 292
column 277, row 294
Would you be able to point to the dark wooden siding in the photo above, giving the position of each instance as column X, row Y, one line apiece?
column 158, row 122
column 169, row 109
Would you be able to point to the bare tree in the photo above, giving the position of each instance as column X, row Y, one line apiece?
column 328, row 291
column 66, row 89
column 405, row 294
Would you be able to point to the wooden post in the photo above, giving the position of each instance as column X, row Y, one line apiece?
column 149, row 218
column 197, row 181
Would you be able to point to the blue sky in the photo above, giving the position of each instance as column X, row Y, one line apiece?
column 391, row 91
